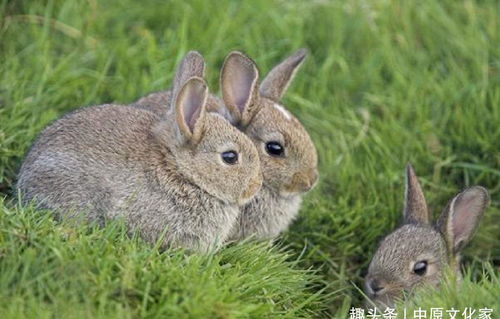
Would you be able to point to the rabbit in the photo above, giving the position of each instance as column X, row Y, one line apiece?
column 420, row 252
column 287, row 154
column 180, row 180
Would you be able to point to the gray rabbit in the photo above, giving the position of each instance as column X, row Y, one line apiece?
column 184, row 175
column 419, row 252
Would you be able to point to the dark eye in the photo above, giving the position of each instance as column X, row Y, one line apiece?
column 420, row 268
column 230, row 157
column 275, row 149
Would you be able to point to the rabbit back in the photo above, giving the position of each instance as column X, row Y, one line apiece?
column 76, row 162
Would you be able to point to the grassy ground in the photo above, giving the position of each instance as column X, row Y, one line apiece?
column 386, row 82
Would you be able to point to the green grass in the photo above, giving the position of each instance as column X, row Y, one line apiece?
column 50, row 269
column 386, row 82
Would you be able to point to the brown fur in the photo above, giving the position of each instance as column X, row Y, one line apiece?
column 113, row 161
column 261, row 117
column 415, row 205
column 255, row 110
column 391, row 270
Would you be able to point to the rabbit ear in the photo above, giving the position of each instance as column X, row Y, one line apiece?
column 238, row 82
column 415, row 210
column 192, row 65
column 190, row 107
column 276, row 82
column 461, row 217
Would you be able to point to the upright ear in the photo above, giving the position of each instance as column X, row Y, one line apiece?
column 461, row 217
column 192, row 65
column 238, row 82
column 190, row 107
column 415, row 210
column 276, row 82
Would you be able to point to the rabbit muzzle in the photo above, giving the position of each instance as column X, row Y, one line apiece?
column 375, row 286
column 382, row 293
column 301, row 182
column 253, row 187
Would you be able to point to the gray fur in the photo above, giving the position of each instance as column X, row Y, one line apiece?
column 391, row 271
column 114, row 161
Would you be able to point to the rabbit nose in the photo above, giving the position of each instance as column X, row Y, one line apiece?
column 375, row 286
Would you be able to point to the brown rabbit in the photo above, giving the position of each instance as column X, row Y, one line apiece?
column 185, row 175
column 288, row 156
column 419, row 252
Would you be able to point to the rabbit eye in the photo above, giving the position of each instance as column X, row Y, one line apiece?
column 230, row 157
column 420, row 268
column 274, row 148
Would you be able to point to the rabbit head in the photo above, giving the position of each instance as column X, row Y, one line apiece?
column 287, row 154
column 419, row 252
column 206, row 148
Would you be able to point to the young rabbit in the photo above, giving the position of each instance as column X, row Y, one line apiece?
column 419, row 252
column 183, row 176
column 288, row 156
